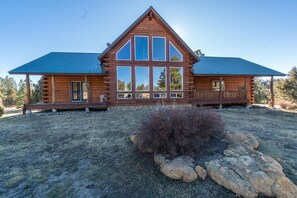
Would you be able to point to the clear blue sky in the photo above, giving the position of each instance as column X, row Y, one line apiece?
column 261, row 31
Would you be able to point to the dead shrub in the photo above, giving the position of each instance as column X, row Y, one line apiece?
column 287, row 105
column 179, row 131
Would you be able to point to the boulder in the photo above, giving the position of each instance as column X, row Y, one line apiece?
column 181, row 167
column 243, row 138
column 284, row 188
column 202, row 173
column 134, row 138
column 248, row 172
column 230, row 179
column 160, row 159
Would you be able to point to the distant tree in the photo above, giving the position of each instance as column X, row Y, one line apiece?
column 36, row 92
column 287, row 88
column 21, row 93
column 9, row 90
column 262, row 92
column 175, row 79
column 199, row 53
column 162, row 81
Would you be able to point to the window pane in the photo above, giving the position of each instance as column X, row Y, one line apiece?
column 85, row 90
column 141, row 48
column 176, row 95
column 124, row 78
column 216, row 85
column 174, row 54
column 159, row 75
column 124, row 96
column 76, row 93
column 160, row 95
column 125, row 52
column 142, row 82
column 142, row 95
column 176, row 79
column 159, row 53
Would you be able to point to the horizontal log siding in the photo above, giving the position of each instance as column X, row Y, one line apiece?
column 63, row 85
column 232, row 83
column 148, row 28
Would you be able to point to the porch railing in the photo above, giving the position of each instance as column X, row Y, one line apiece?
column 223, row 96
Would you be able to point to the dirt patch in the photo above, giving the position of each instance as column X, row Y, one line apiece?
column 76, row 154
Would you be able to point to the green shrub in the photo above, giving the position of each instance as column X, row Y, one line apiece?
column 179, row 131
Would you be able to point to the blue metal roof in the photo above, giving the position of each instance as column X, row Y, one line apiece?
column 231, row 66
column 88, row 63
column 62, row 63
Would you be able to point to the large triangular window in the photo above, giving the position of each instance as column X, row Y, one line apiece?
column 125, row 52
column 174, row 54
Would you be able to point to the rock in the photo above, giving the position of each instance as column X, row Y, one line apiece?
column 245, row 138
column 159, row 159
column 261, row 182
column 248, row 172
column 202, row 173
column 284, row 188
column 230, row 179
column 133, row 138
column 181, row 167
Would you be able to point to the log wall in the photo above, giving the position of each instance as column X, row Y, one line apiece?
column 63, row 87
column 148, row 27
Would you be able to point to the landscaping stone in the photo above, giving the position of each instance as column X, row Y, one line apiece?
column 248, row 172
column 202, row 173
column 181, row 167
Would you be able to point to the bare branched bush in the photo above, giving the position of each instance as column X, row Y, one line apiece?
column 287, row 105
column 179, row 130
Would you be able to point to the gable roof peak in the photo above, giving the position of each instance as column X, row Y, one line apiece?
column 141, row 18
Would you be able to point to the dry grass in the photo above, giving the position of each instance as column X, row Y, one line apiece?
column 82, row 154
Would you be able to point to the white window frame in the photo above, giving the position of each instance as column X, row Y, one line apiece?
column 176, row 94
column 143, row 98
column 148, row 47
column 130, row 79
column 122, row 48
column 124, row 94
column 148, row 79
column 164, row 48
column 182, row 79
column 182, row 57
column 160, row 95
column 166, row 76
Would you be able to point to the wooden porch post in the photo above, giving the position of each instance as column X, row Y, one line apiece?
column 271, row 92
column 221, row 93
column 53, row 92
column 28, row 97
column 87, row 87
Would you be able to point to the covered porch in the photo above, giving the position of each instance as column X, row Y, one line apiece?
column 58, row 94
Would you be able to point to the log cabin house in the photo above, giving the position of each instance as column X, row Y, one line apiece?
column 147, row 64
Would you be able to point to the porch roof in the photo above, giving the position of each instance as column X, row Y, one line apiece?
column 62, row 63
column 231, row 66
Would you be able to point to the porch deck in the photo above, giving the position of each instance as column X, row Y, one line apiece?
column 66, row 105
column 217, row 97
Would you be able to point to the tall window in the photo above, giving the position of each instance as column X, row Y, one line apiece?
column 174, row 54
column 141, row 48
column 124, row 78
column 176, row 79
column 216, row 85
column 159, row 49
column 159, row 75
column 142, row 80
column 79, row 91
column 125, row 52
